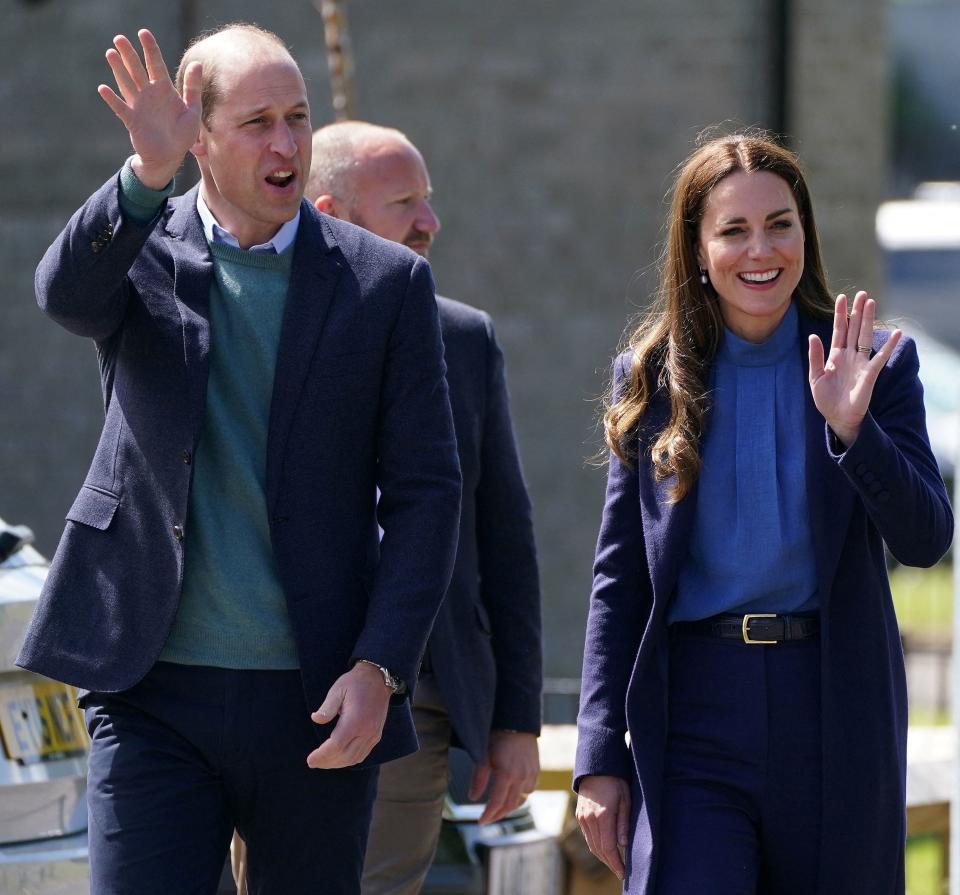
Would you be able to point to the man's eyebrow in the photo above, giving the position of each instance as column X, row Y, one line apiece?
column 769, row 217
column 259, row 110
column 406, row 192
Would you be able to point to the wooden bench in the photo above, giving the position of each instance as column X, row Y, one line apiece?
column 931, row 784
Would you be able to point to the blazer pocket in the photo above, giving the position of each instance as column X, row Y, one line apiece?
column 94, row 507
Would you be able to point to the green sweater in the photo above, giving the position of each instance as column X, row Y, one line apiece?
column 232, row 612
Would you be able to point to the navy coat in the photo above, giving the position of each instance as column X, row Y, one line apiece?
column 886, row 487
column 359, row 401
column 485, row 646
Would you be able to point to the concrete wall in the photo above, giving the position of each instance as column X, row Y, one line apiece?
column 550, row 130
column 840, row 104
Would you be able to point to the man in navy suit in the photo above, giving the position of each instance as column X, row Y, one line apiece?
column 481, row 682
column 265, row 371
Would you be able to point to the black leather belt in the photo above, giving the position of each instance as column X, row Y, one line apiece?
column 755, row 627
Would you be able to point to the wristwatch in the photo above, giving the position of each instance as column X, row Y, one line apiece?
column 394, row 684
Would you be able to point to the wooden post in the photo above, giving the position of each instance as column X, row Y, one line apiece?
column 336, row 35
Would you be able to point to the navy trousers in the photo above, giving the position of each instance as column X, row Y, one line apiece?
column 189, row 753
column 741, row 794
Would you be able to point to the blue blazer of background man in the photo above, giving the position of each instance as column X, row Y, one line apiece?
column 482, row 677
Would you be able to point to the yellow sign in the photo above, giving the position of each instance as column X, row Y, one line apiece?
column 39, row 720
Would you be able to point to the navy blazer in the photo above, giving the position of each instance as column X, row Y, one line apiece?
column 485, row 646
column 885, row 487
column 359, row 401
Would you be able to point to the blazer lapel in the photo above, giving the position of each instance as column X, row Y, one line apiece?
column 313, row 280
column 193, row 271
column 666, row 526
column 830, row 499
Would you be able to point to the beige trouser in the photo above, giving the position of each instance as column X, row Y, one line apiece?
column 407, row 813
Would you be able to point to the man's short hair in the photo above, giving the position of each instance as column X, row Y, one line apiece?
column 210, row 92
column 336, row 154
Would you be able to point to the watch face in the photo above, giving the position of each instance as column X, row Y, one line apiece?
column 393, row 683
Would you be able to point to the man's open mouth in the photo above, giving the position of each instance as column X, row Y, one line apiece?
column 280, row 178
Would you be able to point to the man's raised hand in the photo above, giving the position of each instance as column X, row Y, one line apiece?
column 162, row 124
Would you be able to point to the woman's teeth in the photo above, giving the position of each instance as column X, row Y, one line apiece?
column 763, row 276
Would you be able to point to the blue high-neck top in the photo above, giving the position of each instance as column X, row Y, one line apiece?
column 751, row 548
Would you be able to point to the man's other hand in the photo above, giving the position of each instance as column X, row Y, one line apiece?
column 359, row 701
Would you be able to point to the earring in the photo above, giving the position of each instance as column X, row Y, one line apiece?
column 703, row 276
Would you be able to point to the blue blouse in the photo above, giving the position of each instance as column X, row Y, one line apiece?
column 751, row 548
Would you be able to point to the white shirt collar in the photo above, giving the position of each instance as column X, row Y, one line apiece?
column 282, row 239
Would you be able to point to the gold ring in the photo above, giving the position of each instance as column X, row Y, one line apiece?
column 866, row 349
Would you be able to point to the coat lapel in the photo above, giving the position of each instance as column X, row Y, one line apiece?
column 830, row 498
column 313, row 280
column 193, row 272
column 666, row 526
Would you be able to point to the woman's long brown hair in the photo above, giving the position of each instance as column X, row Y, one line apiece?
column 673, row 347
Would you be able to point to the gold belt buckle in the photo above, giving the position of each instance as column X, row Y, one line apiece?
column 744, row 627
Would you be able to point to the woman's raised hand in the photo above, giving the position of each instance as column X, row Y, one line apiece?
column 162, row 124
column 842, row 386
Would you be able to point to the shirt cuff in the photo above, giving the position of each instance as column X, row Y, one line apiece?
column 139, row 202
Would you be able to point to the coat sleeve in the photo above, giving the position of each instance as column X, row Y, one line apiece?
column 509, row 577
column 620, row 606
column 892, row 467
column 419, row 481
column 81, row 279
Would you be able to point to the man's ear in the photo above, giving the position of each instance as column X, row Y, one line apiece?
column 199, row 147
column 327, row 204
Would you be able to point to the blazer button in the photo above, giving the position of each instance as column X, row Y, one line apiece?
column 96, row 245
column 178, row 532
column 187, row 457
